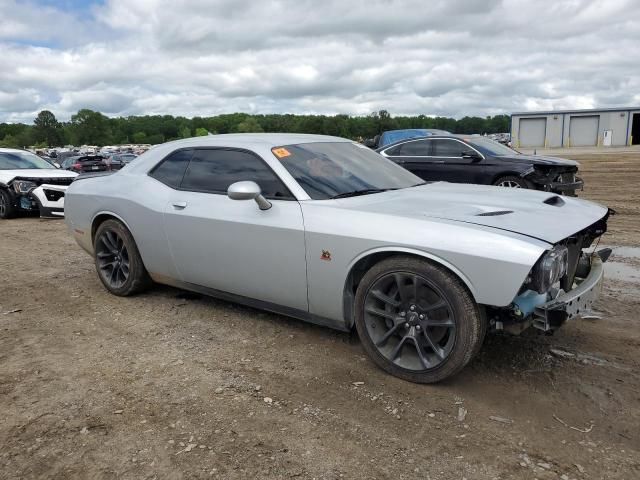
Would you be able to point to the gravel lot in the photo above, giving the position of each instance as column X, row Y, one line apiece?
column 174, row 385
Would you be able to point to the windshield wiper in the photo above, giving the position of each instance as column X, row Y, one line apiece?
column 356, row 193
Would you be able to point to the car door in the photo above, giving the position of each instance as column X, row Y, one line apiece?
column 232, row 246
column 415, row 156
column 455, row 165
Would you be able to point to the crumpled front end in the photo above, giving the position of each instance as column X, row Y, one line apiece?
column 564, row 284
column 564, row 181
column 44, row 195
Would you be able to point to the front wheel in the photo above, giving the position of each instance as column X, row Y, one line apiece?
column 118, row 261
column 511, row 181
column 416, row 320
column 7, row 209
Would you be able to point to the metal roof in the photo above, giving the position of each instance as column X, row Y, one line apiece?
column 588, row 110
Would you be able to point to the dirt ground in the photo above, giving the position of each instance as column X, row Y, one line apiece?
column 173, row 385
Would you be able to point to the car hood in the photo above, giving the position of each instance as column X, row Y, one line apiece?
column 8, row 175
column 541, row 160
column 541, row 215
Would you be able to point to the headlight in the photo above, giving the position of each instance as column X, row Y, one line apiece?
column 551, row 267
column 23, row 186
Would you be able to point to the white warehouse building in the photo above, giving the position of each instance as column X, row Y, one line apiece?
column 606, row 127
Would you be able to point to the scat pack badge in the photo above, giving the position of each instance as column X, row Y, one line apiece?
column 326, row 255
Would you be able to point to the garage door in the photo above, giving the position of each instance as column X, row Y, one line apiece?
column 583, row 131
column 532, row 132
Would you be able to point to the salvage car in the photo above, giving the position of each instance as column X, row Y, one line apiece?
column 328, row 231
column 85, row 163
column 29, row 183
column 118, row 160
column 392, row 136
column 480, row 160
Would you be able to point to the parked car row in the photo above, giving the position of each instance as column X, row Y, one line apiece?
column 96, row 163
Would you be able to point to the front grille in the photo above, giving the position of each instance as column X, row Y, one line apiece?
column 50, row 181
column 567, row 177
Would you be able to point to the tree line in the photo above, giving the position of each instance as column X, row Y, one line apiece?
column 88, row 127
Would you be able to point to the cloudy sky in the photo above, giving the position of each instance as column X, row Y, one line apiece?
column 206, row 57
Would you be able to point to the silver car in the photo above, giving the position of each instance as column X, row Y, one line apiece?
column 328, row 231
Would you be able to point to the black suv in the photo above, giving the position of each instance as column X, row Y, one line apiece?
column 480, row 160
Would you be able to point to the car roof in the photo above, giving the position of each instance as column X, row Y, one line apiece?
column 253, row 139
column 13, row 150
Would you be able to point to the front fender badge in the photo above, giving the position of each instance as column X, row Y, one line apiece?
column 326, row 255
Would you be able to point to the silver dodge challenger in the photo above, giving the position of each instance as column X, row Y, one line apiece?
column 328, row 231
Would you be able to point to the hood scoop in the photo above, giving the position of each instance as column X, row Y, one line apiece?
column 494, row 213
column 556, row 201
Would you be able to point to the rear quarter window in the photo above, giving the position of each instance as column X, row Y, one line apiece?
column 171, row 170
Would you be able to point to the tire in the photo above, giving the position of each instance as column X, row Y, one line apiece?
column 118, row 260
column 511, row 181
column 7, row 210
column 422, row 334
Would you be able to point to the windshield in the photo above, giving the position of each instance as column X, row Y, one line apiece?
column 486, row 145
column 22, row 160
column 327, row 170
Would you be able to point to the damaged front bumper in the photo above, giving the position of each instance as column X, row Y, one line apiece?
column 566, row 183
column 49, row 200
column 562, row 187
column 577, row 301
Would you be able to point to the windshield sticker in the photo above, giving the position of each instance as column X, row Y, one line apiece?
column 281, row 152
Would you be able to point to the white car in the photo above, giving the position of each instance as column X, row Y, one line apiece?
column 29, row 183
column 326, row 230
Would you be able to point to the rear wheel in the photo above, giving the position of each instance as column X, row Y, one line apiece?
column 7, row 210
column 118, row 261
column 511, row 181
column 416, row 320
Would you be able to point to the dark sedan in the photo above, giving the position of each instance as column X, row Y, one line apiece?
column 480, row 160
column 119, row 160
column 85, row 163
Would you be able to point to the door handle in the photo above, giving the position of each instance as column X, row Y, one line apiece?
column 179, row 205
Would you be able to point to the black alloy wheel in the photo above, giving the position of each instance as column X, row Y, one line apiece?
column 112, row 258
column 118, row 261
column 417, row 320
column 410, row 321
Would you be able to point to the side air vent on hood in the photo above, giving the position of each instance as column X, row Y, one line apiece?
column 556, row 201
column 494, row 214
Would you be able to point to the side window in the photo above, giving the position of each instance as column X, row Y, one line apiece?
column 393, row 151
column 448, row 148
column 418, row 148
column 214, row 170
column 171, row 170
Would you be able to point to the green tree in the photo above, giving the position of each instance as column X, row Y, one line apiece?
column 9, row 141
column 185, row 132
column 201, row 132
column 47, row 129
column 90, row 128
column 139, row 137
column 249, row 125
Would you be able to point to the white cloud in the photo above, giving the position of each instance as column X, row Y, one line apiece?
column 202, row 57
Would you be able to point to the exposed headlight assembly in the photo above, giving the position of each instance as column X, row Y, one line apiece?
column 23, row 186
column 550, row 268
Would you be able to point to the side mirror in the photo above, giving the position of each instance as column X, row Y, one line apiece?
column 248, row 191
column 472, row 154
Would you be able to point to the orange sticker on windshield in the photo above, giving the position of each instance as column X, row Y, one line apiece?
column 281, row 152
